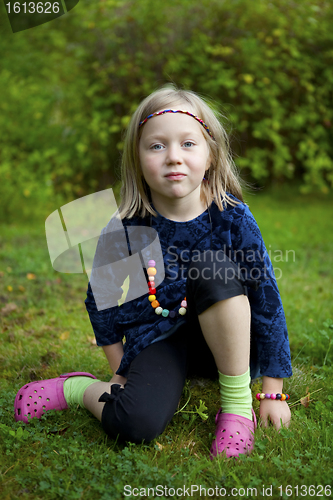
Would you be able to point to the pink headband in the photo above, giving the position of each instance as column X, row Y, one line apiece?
column 178, row 111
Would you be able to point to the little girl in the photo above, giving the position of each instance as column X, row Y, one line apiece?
column 211, row 307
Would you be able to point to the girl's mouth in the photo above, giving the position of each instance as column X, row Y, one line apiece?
column 175, row 176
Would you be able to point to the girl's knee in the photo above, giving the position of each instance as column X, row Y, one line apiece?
column 136, row 426
column 213, row 269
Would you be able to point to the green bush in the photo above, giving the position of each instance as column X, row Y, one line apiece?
column 69, row 87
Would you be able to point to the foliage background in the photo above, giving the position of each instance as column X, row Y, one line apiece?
column 68, row 89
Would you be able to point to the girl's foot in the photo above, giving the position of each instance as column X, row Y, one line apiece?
column 234, row 435
column 35, row 398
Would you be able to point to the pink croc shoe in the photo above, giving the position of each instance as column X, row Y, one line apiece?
column 234, row 435
column 35, row 398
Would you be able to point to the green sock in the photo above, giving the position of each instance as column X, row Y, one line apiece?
column 236, row 394
column 74, row 388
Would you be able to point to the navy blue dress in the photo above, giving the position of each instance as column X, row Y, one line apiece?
column 235, row 232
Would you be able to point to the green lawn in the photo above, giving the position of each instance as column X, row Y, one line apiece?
column 46, row 331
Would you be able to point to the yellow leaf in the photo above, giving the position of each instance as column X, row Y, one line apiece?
column 21, row 288
column 9, row 288
column 10, row 307
column 31, row 276
column 248, row 78
column 92, row 340
column 64, row 336
column 306, row 400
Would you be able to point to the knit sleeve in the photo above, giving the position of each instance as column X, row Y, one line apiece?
column 103, row 322
column 109, row 271
column 270, row 351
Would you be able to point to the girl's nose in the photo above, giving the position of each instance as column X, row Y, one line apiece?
column 174, row 154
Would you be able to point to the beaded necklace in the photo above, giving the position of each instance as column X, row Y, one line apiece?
column 151, row 272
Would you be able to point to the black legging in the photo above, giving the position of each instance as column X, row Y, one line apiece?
column 141, row 411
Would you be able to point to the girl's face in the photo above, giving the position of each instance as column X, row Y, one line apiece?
column 174, row 156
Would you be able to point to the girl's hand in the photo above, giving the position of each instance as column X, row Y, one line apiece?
column 278, row 412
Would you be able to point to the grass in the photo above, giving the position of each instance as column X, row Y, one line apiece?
column 46, row 331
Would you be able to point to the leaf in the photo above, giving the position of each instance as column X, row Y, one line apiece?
column 64, row 335
column 19, row 433
column 92, row 340
column 31, row 276
column 306, row 400
column 202, row 408
column 9, row 308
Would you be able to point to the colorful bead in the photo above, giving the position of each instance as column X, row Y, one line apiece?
column 281, row 397
column 151, row 271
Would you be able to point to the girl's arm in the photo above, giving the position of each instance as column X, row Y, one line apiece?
column 114, row 354
column 278, row 412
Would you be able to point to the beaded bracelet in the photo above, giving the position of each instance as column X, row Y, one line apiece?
column 281, row 397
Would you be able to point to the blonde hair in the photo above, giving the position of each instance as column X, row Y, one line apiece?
column 222, row 173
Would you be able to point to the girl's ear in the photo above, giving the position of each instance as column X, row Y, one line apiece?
column 209, row 165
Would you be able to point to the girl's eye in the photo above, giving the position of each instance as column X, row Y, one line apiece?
column 188, row 143
column 157, row 146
